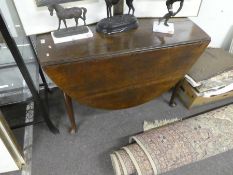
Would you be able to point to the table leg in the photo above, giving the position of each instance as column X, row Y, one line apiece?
column 172, row 102
column 70, row 111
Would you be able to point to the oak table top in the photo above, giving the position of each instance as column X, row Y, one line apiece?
column 107, row 46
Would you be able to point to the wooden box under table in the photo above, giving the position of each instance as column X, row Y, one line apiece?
column 190, row 97
column 124, row 69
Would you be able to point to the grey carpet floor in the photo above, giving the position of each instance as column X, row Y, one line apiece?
column 100, row 132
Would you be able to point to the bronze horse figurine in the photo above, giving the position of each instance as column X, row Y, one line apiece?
column 68, row 13
column 169, row 4
column 110, row 3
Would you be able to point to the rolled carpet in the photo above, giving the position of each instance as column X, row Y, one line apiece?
column 163, row 149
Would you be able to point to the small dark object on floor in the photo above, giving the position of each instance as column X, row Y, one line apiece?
column 115, row 24
column 170, row 13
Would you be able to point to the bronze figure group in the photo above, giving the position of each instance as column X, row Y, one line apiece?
column 111, row 24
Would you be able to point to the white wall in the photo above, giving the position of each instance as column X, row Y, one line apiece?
column 216, row 18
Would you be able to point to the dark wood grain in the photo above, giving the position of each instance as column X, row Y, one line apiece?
column 125, row 69
column 70, row 112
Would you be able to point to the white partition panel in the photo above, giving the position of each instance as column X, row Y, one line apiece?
column 10, row 156
column 7, row 15
column 7, row 163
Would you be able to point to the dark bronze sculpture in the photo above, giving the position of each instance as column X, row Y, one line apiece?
column 110, row 3
column 130, row 5
column 118, row 23
column 68, row 13
column 170, row 13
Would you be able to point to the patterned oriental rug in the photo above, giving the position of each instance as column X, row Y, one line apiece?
column 173, row 145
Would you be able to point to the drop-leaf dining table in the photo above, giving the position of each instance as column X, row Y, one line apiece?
column 124, row 69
